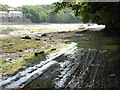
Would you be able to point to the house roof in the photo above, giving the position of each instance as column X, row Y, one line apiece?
column 15, row 12
column 10, row 9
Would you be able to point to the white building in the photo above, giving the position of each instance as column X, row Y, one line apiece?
column 15, row 14
column 10, row 9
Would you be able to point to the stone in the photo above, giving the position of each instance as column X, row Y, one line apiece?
column 26, row 37
column 37, row 39
column 20, row 50
column 53, row 49
column 37, row 53
column 43, row 35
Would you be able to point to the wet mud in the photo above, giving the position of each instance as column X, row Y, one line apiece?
column 94, row 64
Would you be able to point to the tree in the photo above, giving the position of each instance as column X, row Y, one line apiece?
column 42, row 13
column 4, row 7
column 106, row 13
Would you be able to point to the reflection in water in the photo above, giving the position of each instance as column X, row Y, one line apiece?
column 97, row 65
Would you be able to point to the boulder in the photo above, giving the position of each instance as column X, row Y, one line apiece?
column 53, row 49
column 20, row 50
column 61, row 32
column 43, row 35
column 37, row 53
column 26, row 37
column 38, row 39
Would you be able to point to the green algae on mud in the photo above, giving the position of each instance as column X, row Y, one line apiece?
column 10, row 67
column 14, row 45
column 20, row 62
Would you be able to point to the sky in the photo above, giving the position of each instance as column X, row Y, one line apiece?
column 16, row 3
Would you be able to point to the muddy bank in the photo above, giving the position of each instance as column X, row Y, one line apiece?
column 94, row 64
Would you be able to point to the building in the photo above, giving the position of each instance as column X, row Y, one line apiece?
column 3, row 14
column 10, row 9
column 17, row 14
column 12, row 16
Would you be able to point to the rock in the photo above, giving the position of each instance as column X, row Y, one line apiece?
column 43, row 35
column 37, row 53
column 20, row 50
column 37, row 39
column 45, row 40
column 51, row 35
column 53, row 49
column 10, row 44
column 10, row 59
column 20, row 55
column 26, row 37
column 61, row 32
column 111, row 75
column 50, row 38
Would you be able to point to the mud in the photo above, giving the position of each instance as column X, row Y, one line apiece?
column 93, row 64
column 89, row 66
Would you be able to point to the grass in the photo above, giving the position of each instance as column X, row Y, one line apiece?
column 50, row 52
column 14, row 45
column 35, row 59
column 5, row 31
column 10, row 67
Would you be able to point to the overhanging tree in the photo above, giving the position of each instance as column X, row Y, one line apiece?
column 106, row 13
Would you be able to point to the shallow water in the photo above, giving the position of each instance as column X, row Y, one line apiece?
column 102, row 54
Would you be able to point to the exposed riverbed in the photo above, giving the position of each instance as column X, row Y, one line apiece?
column 91, row 60
column 93, row 64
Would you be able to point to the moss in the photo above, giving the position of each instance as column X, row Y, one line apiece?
column 5, row 31
column 12, row 67
column 3, row 61
column 9, row 68
column 27, row 54
column 50, row 52
column 111, row 47
column 14, row 45
column 19, row 64
column 35, row 59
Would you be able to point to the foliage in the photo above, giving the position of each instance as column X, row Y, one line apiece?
column 13, row 44
column 98, row 12
column 4, row 7
column 42, row 13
